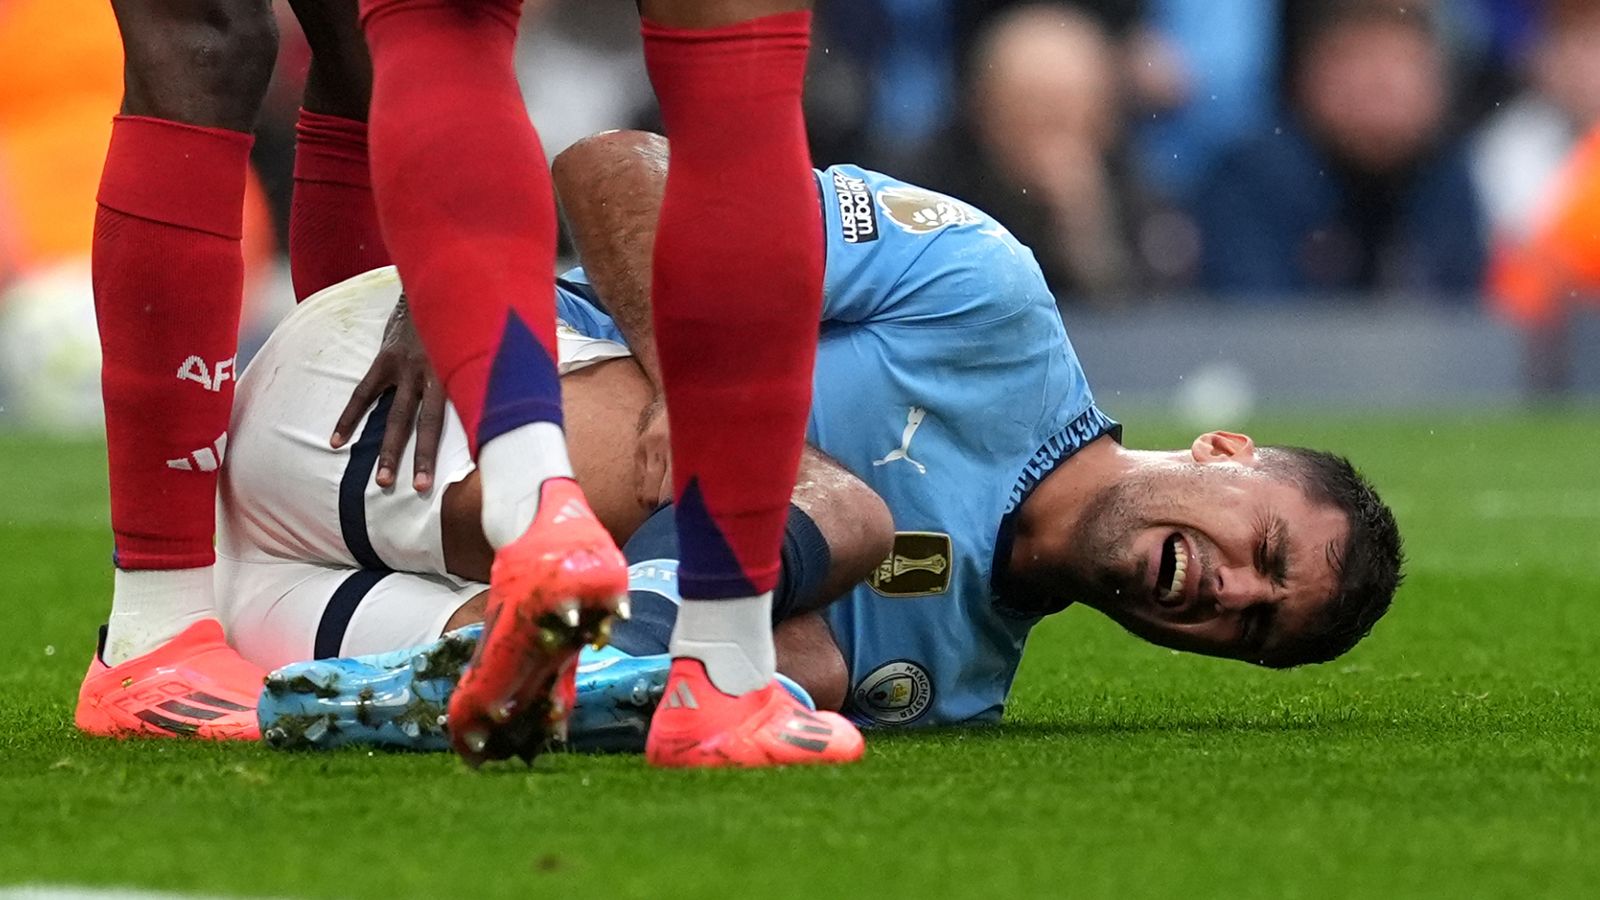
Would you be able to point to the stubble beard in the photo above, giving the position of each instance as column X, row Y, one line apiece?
column 1102, row 571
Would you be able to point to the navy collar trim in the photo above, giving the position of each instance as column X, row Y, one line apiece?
column 1063, row 445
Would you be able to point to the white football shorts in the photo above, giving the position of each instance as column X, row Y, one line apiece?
column 313, row 558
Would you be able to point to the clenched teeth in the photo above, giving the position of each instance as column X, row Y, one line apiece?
column 1174, row 591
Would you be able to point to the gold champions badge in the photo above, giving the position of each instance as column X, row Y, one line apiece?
column 919, row 566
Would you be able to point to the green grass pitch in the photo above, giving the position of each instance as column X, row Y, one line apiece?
column 1454, row 755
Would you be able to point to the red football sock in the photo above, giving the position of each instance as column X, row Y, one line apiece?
column 333, row 224
column 466, row 203
column 737, row 290
column 168, row 282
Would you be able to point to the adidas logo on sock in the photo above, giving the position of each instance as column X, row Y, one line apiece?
column 206, row 459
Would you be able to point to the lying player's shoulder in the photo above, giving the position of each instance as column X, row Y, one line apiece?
column 935, row 258
column 866, row 205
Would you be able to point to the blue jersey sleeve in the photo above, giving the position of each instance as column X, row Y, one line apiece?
column 898, row 254
column 580, row 308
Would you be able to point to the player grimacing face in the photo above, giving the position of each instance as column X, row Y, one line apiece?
column 1217, row 556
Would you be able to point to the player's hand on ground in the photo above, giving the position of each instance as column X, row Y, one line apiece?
column 653, row 458
column 419, row 400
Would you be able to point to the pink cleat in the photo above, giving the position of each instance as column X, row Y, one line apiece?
column 193, row 686
column 698, row 726
column 551, row 591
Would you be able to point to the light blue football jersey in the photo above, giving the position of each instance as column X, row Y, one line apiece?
column 946, row 382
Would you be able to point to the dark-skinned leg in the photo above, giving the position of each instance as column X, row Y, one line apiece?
column 198, row 62
column 715, row 13
column 168, row 282
column 736, row 307
column 333, row 222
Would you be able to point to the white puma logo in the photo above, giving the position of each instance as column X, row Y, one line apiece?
column 913, row 422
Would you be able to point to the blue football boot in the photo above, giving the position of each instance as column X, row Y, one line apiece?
column 393, row 699
column 398, row 700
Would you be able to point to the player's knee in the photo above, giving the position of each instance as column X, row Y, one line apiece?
column 865, row 540
column 808, row 654
column 203, row 62
column 876, row 524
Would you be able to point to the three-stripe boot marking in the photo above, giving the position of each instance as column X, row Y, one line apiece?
column 193, row 707
column 682, row 697
column 802, row 723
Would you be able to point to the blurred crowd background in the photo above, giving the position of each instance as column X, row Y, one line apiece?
column 1223, row 155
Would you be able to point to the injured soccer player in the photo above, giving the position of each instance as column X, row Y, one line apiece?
column 945, row 388
column 318, row 561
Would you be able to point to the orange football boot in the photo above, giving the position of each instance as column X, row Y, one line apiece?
column 193, row 686
column 551, row 591
column 698, row 726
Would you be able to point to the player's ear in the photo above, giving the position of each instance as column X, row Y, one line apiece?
column 1224, row 446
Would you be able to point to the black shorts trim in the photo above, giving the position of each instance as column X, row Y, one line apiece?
column 341, row 609
column 353, row 486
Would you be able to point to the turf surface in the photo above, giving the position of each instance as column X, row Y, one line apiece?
column 1454, row 755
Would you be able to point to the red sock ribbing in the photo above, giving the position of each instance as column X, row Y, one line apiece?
column 333, row 224
column 466, row 203
column 737, row 290
column 168, row 283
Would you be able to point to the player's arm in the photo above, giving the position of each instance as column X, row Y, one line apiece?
column 610, row 187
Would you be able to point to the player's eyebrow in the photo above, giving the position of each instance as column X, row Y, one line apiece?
column 1272, row 553
column 1278, row 549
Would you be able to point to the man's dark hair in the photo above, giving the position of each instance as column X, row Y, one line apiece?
column 1306, row 22
column 1368, row 567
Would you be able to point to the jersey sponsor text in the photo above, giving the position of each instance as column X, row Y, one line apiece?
column 858, row 220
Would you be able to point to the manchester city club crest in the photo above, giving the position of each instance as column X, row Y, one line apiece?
column 895, row 694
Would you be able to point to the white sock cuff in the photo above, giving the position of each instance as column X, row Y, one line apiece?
column 152, row 606
column 732, row 638
column 514, row 466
